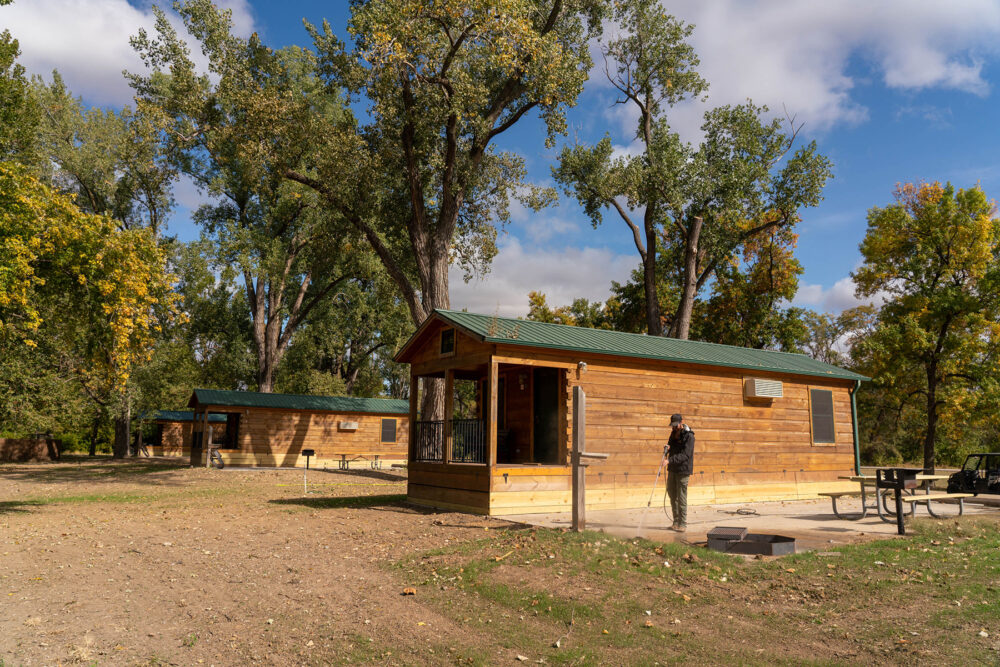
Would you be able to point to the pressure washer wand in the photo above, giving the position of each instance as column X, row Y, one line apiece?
column 663, row 460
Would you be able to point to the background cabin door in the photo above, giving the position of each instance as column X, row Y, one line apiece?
column 546, row 412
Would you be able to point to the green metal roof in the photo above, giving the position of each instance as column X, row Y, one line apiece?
column 494, row 329
column 253, row 399
column 185, row 416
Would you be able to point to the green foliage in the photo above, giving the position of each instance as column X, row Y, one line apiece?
column 705, row 204
column 581, row 313
column 19, row 113
column 932, row 346
column 88, row 297
column 443, row 81
column 114, row 162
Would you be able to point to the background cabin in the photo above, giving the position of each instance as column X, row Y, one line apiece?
column 768, row 425
column 271, row 430
column 173, row 430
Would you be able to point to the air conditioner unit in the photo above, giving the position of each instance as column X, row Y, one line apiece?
column 761, row 388
column 348, row 426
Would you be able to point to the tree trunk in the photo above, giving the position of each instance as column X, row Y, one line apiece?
column 119, row 449
column 653, row 324
column 265, row 373
column 932, row 419
column 434, row 295
column 93, row 435
column 682, row 323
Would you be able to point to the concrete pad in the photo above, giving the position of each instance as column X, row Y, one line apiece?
column 810, row 522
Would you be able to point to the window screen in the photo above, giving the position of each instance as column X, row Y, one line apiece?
column 821, row 404
column 388, row 430
column 447, row 341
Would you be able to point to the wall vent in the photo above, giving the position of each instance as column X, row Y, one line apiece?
column 761, row 388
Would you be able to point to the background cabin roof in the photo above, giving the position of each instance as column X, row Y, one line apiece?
column 253, row 399
column 510, row 331
column 185, row 416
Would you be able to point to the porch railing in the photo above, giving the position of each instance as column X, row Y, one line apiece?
column 429, row 439
column 468, row 441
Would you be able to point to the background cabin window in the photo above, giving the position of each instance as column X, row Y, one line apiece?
column 388, row 430
column 821, row 407
column 448, row 341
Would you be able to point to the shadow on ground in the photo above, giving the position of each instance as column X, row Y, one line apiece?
column 368, row 473
column 385, row 500
column 12, row 506
column 94, row 470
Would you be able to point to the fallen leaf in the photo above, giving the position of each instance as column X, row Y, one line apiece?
column 522, row 658
column 409, row 590
column 649, row 623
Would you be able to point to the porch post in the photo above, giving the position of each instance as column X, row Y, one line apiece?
column 491, row 426
column 411, row 444
column 206, row 441
column 449, row 412
column 579, row 467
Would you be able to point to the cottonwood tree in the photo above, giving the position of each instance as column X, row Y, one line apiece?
column 347, row 347
column 444, row 81
column 653, row 68
column 932, row 256
column 113, row 161
column 702, row 202
column 237, row 133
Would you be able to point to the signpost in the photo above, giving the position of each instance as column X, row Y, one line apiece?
column 581, row 458
column 305, row 472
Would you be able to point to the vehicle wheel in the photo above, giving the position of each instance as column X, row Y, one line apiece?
column 217, row 459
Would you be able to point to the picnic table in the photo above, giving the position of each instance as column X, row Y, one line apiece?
column 881, row 499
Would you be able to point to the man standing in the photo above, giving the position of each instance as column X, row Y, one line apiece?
column 680, row 465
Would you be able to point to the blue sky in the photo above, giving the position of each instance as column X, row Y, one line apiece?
column 894, row 91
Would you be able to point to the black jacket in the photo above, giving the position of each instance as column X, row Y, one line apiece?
column 680, row 451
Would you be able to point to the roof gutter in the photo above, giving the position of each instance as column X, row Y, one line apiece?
column 854, row 422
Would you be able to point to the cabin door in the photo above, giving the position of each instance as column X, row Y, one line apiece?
column 546, row 411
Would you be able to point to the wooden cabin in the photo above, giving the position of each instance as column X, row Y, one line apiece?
column 173, row 431
column 768, row 425
column 271, row 430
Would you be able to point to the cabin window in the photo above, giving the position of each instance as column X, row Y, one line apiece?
column 447, row 342
column 388, row 430
column 821, row 412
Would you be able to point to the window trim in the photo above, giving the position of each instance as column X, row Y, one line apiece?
column 395, row 431
column 833, row 419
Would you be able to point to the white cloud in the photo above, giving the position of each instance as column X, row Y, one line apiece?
column 562, row 275
column 839, row 297
column 804, row 56
column 88, row 41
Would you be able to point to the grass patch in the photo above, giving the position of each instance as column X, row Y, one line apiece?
column 924, row 598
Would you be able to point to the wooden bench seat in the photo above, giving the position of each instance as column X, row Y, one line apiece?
column 927, row 498
column 935, row 496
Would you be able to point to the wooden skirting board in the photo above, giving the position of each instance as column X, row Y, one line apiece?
column 502, row 503
column 296, row 461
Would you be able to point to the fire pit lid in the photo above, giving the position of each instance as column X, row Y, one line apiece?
column 727, row 533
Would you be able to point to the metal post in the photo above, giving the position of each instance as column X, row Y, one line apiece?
column 579, row 471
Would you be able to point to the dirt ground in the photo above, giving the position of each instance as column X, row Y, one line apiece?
column 151, row 563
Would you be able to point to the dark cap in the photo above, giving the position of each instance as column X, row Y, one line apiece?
column 676, row 419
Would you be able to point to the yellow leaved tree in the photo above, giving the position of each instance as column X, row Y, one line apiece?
column 95, row 293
